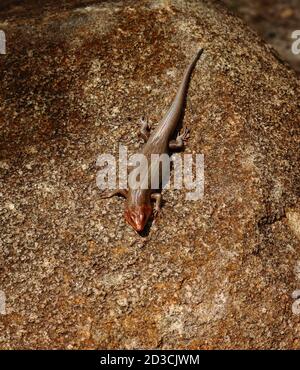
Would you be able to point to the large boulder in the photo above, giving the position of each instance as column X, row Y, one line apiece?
column 213, row 273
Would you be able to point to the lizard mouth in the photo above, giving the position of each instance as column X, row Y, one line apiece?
column 138, row 216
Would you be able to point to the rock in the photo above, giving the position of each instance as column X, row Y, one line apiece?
column 215, row 273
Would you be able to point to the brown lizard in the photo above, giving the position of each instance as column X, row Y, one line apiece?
column 139, row 206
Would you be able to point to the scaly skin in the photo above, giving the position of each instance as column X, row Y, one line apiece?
column 139, row 206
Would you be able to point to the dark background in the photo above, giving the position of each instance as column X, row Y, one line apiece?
column 274, row 20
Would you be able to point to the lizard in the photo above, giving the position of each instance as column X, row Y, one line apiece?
column 139, row 207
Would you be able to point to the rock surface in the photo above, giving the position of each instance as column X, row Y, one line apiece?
column 216, row 273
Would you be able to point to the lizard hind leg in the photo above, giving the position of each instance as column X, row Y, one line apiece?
column 145, row 129
column 178, row 144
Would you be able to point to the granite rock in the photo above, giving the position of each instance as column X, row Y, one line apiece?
column 213, row 273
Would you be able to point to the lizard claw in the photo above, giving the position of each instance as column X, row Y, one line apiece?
column 145, row 124
column 156, row 213
column 186, row 134
column 145, row 129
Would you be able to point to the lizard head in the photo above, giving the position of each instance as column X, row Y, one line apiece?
column 138, row 216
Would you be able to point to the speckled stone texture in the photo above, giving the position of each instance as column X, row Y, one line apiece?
column 216, row 273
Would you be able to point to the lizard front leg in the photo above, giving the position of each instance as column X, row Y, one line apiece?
column 109, row 194
column 179, row 142
column 157, row 197
column 145, row 129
